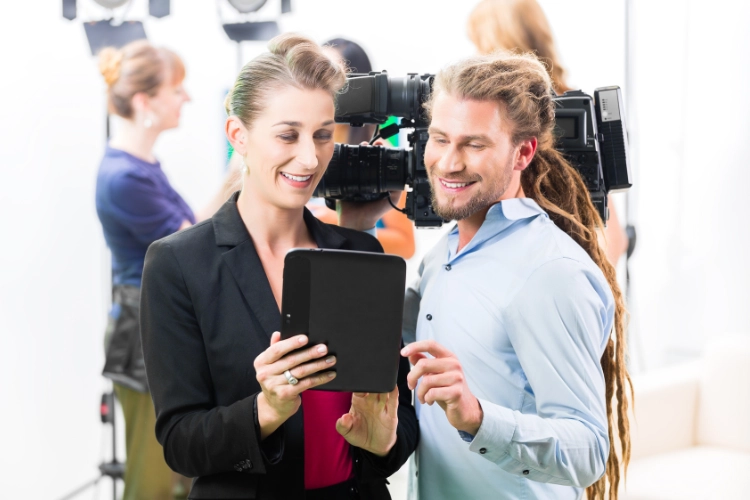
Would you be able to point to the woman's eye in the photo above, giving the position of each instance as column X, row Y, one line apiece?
column 323, row 137
column 288, row 137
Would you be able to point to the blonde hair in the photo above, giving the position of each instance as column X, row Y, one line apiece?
column 516, row 25
column 292, row 60
column 522, row 86
column 136, row 67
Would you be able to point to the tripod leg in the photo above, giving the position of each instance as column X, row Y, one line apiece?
column 81, row 489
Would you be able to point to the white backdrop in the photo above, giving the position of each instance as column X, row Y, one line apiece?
column 689, row 125
column 690, row 271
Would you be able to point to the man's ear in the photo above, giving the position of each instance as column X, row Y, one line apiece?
column 236, row 134
column 525, row 153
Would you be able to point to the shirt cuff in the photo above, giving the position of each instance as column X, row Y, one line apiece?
column 466, row 436
column 496, row 432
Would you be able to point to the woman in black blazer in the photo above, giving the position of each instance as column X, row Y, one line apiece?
column 229, row 407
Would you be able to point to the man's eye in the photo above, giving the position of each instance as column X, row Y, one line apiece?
column 440, row 140
column 476, row 146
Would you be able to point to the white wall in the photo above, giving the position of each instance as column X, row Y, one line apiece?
column 690, row 270
column 689, row 273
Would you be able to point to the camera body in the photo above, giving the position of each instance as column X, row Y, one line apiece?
column 591, row 134
column 367, row 173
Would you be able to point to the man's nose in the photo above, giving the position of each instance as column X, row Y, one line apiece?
column 450, row 161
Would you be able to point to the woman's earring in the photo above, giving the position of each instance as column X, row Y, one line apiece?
column 147, row 123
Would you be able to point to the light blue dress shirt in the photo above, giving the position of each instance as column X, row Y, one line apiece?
column 528, row 314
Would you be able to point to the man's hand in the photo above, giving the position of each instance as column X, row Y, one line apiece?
column 371, row 422
column 443, row 382
column 363, row 215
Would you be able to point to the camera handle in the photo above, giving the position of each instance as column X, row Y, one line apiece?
column 388, row 131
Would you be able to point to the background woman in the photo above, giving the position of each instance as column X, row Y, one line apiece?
column 232, row 411
column 522, row 26
column 137, row 205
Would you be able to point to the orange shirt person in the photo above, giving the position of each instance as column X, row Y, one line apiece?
column 397, row 237
column 397, row 233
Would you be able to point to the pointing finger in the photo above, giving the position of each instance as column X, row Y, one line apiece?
column 428, row 346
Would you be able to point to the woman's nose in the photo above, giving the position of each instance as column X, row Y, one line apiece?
column 306, row 155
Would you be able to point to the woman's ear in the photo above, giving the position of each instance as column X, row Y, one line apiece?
column 140, row 103
column 236, row 134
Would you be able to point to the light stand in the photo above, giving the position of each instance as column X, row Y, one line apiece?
column 100, row 34
column 113, row 469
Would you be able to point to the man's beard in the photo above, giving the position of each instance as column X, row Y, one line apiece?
column 481, row 200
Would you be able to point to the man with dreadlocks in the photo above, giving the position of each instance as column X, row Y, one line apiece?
column 516, row 321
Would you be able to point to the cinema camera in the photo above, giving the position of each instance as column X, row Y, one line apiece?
column 591, row 134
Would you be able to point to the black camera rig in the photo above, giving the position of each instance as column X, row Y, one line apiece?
column 591, row 134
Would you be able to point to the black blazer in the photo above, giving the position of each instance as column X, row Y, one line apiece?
column 207, row 310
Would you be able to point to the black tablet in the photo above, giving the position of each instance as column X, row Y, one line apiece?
column 353, row 302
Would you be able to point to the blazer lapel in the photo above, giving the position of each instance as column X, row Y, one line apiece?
column 324, row 234
column 245, row 266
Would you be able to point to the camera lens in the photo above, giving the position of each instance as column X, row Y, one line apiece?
column 401, row 96
column 363, row 173
column 406, row 95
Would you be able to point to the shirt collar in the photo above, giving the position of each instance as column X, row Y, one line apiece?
column 110, row 151
column 500, row 216
column 515, row 209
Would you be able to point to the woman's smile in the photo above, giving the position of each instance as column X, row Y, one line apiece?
column 297, row 181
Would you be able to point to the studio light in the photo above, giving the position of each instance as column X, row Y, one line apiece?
column 250, row 30
column 247, row 6
column 103, row 33
column 114, row 30
column 111, row 4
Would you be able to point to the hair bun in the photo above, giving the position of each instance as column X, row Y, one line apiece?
column 110, row 61
column 282, row 45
